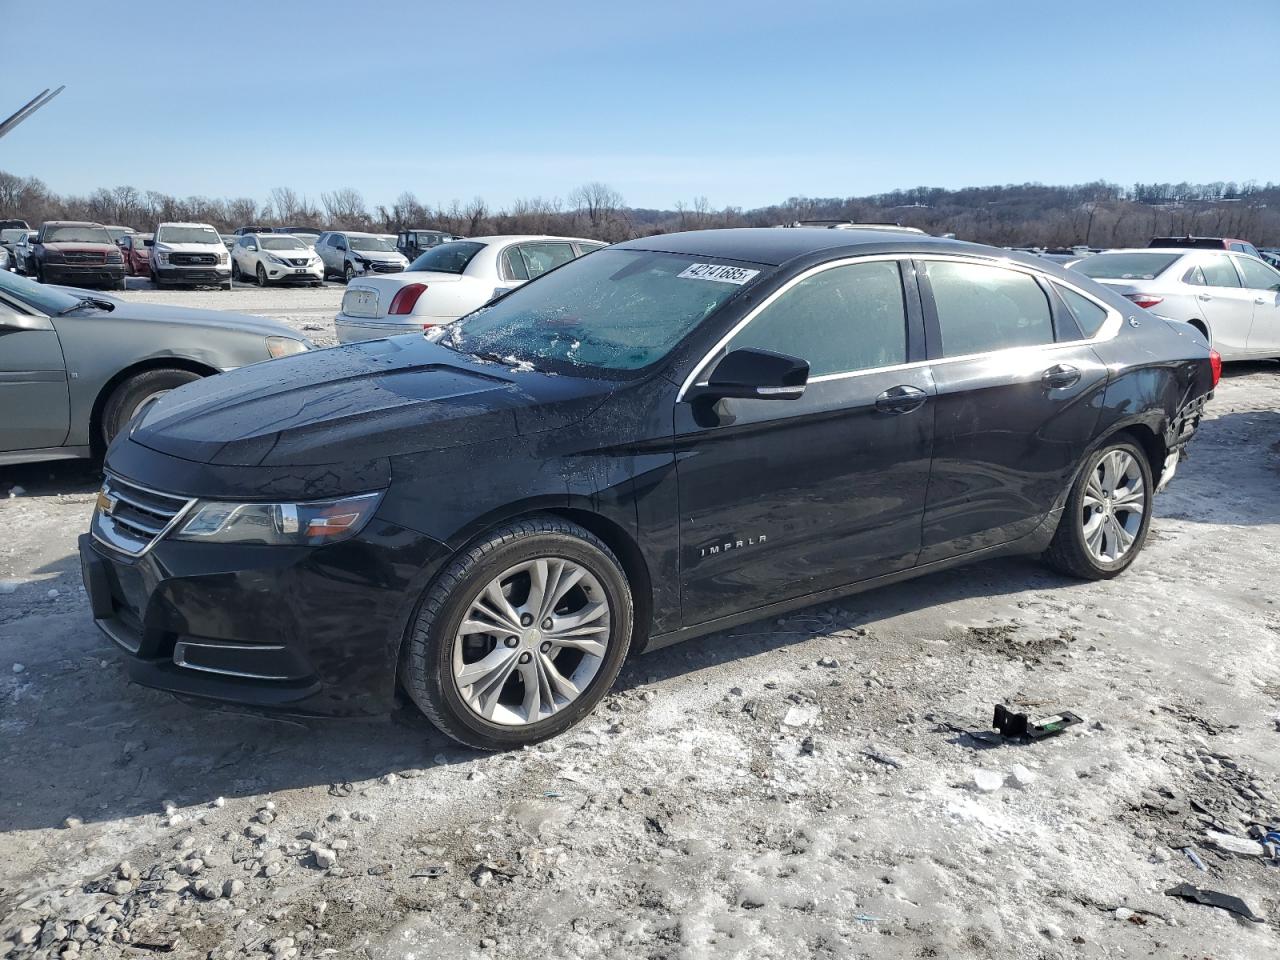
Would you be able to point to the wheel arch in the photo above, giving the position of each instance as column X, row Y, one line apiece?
column 142, row 366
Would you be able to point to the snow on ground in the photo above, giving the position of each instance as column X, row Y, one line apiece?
column 795, row 788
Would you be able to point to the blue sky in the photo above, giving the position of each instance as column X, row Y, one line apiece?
column 746, row 103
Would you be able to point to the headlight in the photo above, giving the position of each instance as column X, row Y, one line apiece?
column 284, row 346
column 274, row 259
column 162, row 258
column 115, row 258
column 308, row 524
column 224, row 259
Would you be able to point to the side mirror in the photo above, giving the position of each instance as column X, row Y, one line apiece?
column 755, row 375
column 149, row 242
column 252, row 248
column 341, row 246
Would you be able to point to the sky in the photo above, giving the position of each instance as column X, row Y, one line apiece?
column 745, row 103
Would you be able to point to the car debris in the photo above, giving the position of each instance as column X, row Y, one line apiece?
column 1012, row 724
column 431, row 871
column 1195, row 858
column 1225, row 841
column 1213, row 898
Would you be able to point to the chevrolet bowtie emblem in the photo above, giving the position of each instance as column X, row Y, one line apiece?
column 106, row 502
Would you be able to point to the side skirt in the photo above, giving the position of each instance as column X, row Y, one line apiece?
column 44, row 453
column 1035, row 542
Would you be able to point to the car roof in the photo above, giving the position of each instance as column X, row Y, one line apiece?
column 73, row 223
column 184, row 223
column 776, row 247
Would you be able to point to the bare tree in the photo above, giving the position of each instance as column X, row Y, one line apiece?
column 345, row 208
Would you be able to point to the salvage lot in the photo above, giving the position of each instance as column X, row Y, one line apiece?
column 791, row 788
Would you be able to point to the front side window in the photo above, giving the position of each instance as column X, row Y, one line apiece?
column 604, row 315
column 1218, row 271
column 1257, row 275
column 1088, row 314
column 843, row 319
column 983, row 308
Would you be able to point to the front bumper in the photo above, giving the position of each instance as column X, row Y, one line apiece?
column 192, row 275
column 309, row 631
column 84, row 275
column 291, row 274
column 375, row 267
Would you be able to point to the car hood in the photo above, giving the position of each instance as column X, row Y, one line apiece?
column 360, row 402
column 378, row 254
column 167, row 247
column 73, row 246
column 159, row 313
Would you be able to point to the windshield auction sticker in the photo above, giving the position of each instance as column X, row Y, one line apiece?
column 718, row 272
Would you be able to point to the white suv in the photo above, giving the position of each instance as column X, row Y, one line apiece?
column 275, row 257
column 189, row 253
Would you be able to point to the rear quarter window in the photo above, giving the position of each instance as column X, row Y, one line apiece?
column 1088, row 314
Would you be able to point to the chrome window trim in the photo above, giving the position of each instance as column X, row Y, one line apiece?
column 180, row 659
column 1108, row 331
column 177, row 518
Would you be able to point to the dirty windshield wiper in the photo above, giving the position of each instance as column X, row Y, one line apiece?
column 88, row 302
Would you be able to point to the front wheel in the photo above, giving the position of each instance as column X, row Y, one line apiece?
column 130, row 396
column 262, row 275
column 521, row 635
column 348, row 273
column 235, row 270
column 1105, row 521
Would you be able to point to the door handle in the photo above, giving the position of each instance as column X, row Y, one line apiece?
column 901, row 399
column 1203, row 296
column 1260, row 300
column 1060, row 375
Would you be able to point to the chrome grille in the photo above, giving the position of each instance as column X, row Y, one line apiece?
column 193, row 259
column 299, row 261
column 131, row 518
column 84, row 256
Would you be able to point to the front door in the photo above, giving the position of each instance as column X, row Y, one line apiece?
column 1017, row 403
column 33, row 383
column 784, row 498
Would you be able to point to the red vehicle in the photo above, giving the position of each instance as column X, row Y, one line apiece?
column 1205, row 243
column 137, row 259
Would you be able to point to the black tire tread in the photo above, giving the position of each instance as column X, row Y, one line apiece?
column 1066, row 552
column 117, row 399
column 419, row 677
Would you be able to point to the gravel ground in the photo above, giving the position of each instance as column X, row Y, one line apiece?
column 803, row 787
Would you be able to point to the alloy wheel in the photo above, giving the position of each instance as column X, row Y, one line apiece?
column 1112, row 506
column 262, row 276
column 531, row 642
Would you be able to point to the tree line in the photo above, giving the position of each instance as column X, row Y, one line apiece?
column 1029, row 214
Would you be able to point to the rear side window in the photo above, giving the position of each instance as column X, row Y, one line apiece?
column 541, row 257
column 1195, row 277
column 982, row 308
column 1088, row 314
column 1218, row 271
column 840, row 320
column 1257, row 275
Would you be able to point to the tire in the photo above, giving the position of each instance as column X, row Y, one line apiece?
column 348, row 273
column 1072, row 551
column 435, row 649
column 227, row 285
column 130, row 394
column 262, row 275
column 122, row 284
column 40, row 272
column 235, row 270
column 155, row 278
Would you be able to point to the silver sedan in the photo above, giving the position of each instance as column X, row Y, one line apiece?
column 76, row 367
column 1233, row 299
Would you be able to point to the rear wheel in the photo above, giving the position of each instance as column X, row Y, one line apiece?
column 131, row 395
column 521, row 636
column 1104, row 524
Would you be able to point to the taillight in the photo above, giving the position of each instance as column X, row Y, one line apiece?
column 403, row 302
column 1144, row 300
column 1215, row 365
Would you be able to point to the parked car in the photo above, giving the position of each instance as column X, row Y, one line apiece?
column 348, row 254
column 228, row 240
column 660, row 440
column 77, row 253
column 1233, row 299
column 190, row 254
column 119, row 233
column 5, row 263
column 1204, row 243
column 22, row 251
column 15, row 225
column 136, row 249
column 76, row 368
column 275, row 258
column 1270, row 256
column 448, row 281
column 414, row 243
column 241, row 231
column 9, row 239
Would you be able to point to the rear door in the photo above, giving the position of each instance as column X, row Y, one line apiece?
column 33, row 381
column 1018, row 394
column 1263, row 282
column 1227, row 305
column 785, row 498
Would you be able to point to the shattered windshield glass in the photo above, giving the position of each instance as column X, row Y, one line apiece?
column 616, row 310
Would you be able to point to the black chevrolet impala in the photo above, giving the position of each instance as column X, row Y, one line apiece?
column 665, row 438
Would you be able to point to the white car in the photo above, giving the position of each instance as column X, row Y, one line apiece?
column 1233, row 299
column 189, row 253
column 275, row 258
column 449, row 281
